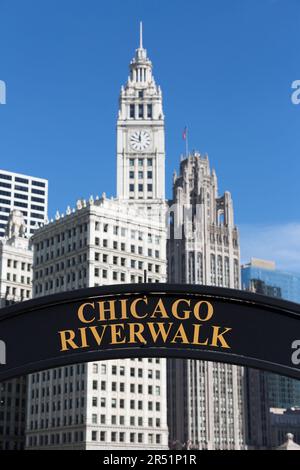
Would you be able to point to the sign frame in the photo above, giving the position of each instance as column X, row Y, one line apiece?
column 243, row 300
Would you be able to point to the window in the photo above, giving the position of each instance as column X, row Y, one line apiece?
column 21, row 180
column 131, row 162
column 131, row 174
column 38, row 191
column 131, row 188
column 141, row 111
column 38, row 183
column 5, row 193
column 141, row 94
column 113, row 419
column 37, row 208
column 131, row 111
column 36, row 199
column 94, row 401
column 149, row 187
column 5, row 177
column 6, row 185
column 140, row 187
column 95, row 384
column 149, row 111
column 94, row 435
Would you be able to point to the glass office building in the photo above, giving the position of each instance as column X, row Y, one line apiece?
column 262, row 277
column 265, row 271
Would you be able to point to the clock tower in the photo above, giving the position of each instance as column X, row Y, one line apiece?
column 141, row 136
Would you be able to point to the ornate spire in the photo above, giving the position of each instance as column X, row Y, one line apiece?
column 141, row 66
column 141, row 35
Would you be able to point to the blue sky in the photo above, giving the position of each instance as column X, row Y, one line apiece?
column 225, row 68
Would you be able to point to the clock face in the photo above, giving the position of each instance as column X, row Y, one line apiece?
column 140, row 140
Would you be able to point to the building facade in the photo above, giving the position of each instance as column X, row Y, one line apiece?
column 205, row 399
column 282, row 422
column 117, row 404
column 26, row 194
column 265, row 271
column 266, row 390
column 15, row 286
column 261, row 276
column 141, row 137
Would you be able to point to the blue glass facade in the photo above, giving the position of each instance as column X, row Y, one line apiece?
column 288, row 283
column 282, row 392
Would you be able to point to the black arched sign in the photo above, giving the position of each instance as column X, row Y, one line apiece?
column 150, row 320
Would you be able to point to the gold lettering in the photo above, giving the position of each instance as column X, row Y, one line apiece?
column 161, row 331
column 219, row 337
column 181, row 334
column 67, row 340
column 175, row 309
column 135, row 331
column 160, row 308
column 96, row 335
column 196, row 339
column 116, row 332
column 111, row 309
column 81, row 312
column 83, row 337
column 210, row 310
column 133, row 307
column 123, row 309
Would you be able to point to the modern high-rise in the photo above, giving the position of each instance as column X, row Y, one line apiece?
column 264, row 389
column 15, row 286
column 205, row 399
column 26, row 194
column 282, row 422
column 117, row 404
column 286, row 284
column 261, row 276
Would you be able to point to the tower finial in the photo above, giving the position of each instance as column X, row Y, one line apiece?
column 141, row 35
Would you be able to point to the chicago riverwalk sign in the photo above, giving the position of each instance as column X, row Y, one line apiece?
column 150, row 320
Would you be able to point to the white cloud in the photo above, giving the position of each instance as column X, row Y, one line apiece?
column 279, row 243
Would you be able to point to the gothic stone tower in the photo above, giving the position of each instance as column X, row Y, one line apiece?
column 205, row 399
